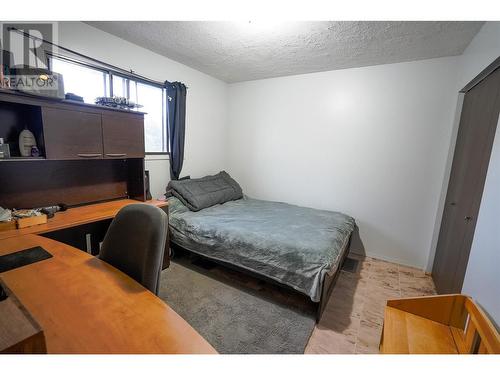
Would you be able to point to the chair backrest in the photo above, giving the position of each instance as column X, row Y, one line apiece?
column 135, row 243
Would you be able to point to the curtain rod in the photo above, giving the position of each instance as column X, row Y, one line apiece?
column 124, row 71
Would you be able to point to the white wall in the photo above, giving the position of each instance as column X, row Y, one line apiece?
column 482, row 280
column 371, row 142
column 206, row 108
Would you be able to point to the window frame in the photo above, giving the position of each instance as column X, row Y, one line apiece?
column 128, row 77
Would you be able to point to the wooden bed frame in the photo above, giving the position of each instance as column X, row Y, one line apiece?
column 329, row 282
column 326, row 289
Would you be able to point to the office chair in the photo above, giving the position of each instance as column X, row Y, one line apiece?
column 135, row 243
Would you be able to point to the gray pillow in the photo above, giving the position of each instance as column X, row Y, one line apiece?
column 200, row 193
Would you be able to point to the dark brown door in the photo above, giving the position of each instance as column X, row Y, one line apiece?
column 476, row 132
column 71, row 134
column 123, row 136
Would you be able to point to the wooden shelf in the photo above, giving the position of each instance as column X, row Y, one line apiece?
column 22, row 158
column 447, row 324
column 14, row 95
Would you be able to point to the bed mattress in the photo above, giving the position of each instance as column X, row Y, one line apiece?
column 295, row 246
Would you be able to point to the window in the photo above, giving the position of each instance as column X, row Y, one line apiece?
column 82, row 80
column 151, row 97
column 91, row 82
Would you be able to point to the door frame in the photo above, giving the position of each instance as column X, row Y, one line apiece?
column 481, row 76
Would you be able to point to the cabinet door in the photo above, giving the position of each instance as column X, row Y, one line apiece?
column 71, row 134
column 123, row 136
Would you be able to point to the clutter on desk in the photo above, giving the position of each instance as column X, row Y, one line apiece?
column 29, row 218
column 5, row 214
column 51, row 210
column 20, row 218
column 6, row 220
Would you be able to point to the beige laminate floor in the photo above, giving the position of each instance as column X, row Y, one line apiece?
column 352, row 320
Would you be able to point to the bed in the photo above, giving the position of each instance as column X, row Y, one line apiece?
column 298, row 247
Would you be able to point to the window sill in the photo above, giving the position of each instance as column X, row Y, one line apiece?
column 157, row 156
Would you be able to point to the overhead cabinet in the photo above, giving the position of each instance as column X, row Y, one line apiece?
column 123, row 136
column 72, row 134
column 67, row 130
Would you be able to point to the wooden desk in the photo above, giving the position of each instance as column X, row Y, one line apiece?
column 84, row 305
column 78, row 216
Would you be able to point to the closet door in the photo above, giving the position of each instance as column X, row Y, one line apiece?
column 470, row 164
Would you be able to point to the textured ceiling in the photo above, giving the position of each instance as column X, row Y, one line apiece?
column 242, row 51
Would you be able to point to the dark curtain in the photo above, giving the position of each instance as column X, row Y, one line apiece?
column 176, row 124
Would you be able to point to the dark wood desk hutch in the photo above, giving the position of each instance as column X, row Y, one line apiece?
column 88, row 154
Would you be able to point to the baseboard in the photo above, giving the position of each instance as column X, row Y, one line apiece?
column 390, row 259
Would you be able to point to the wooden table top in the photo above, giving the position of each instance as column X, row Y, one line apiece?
column 78, row 216
column 85, row 305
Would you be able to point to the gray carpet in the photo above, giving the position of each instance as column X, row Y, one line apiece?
column 231, row 316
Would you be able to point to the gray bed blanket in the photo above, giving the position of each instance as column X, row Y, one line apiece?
column 293, row 245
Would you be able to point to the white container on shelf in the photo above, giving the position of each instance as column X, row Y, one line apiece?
column 26, row 142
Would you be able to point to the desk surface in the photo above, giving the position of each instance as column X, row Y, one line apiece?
column 78, row 216
column 84, row 305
